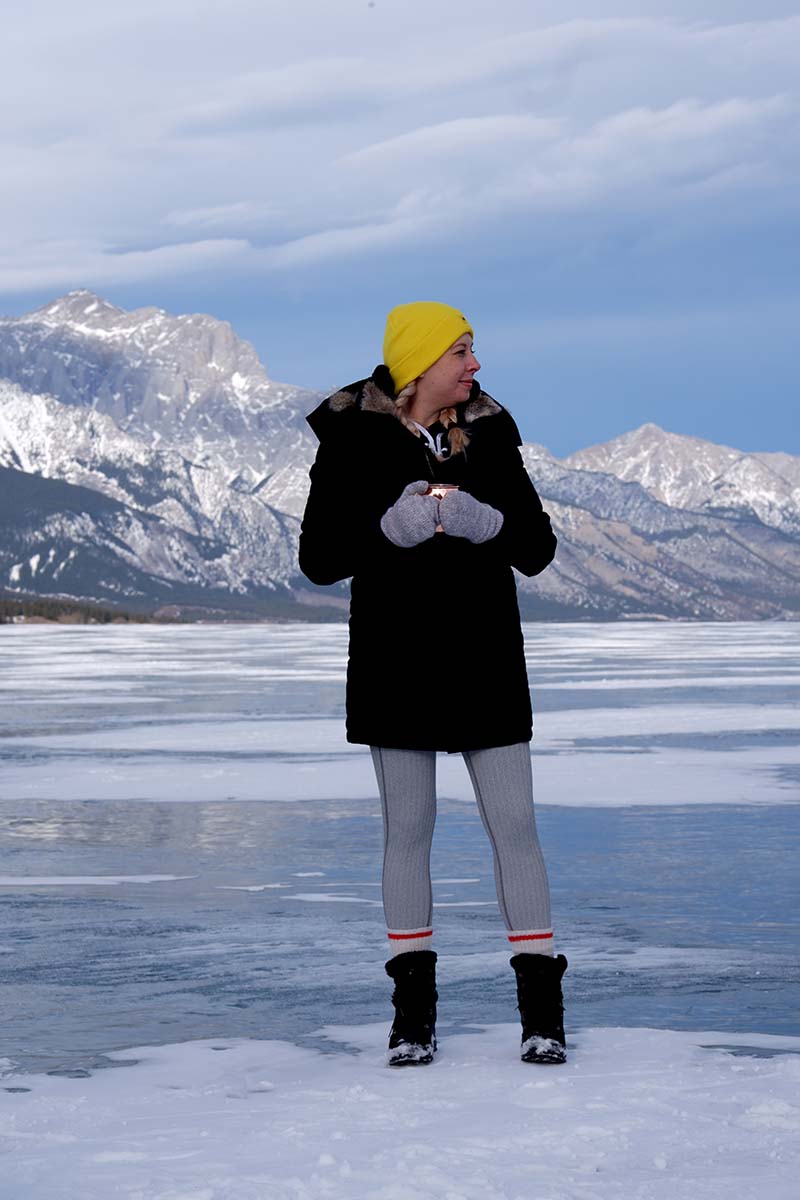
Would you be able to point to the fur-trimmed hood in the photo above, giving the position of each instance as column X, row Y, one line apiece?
column 376, row 394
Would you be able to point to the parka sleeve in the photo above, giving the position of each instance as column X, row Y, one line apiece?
column 526, row 539
column 340, row 528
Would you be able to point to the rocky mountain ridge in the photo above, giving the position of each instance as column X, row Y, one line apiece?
column 148, row 459
column 691, row 473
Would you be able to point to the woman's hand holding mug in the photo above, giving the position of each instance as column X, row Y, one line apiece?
column 424, row 508
column 462, row 515
column 413, row 517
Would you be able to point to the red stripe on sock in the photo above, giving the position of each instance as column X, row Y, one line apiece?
column 529, row 937
column 400, row 936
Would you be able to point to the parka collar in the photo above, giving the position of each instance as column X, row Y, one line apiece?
column 376, row 394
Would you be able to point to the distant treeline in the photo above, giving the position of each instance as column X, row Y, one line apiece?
column 71, row 612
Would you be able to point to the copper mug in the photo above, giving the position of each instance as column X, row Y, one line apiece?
column 440, row 490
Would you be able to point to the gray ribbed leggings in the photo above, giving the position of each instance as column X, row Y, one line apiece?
column 503, row 782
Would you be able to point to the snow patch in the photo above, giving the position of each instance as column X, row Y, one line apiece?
column 633, row 1112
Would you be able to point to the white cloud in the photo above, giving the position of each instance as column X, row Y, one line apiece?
column 646, row 56
column 313, row 90
column 334, row 244
column 240, row 215
column 475, row 173
column 462, row 138
column 58, row 264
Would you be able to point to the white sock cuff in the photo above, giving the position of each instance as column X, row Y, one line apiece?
column 532, row 941
column 402, row 940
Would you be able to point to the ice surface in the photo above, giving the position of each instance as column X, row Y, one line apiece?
column 607, row 776
column 622, row 715
column 653, row 1114
column 269, row 920
column 81, row 880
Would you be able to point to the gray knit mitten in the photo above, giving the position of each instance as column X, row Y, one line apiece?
column 462, row 515
column 413, row 517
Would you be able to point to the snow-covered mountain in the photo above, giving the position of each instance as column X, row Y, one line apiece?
column 170, row 416
column 687, row 472
column 623, row 552
column 147, row 459
column 41, row 436
column 188, row 382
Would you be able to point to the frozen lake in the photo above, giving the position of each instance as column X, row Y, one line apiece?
column 190, row 882
column 191, row 849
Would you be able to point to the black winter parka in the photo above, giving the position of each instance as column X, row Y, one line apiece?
column 436, row 658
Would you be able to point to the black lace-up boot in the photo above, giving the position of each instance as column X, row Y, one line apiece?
column 541, row 1006
column 412, row 1039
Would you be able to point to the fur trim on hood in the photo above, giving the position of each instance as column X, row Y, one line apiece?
column 376, row 394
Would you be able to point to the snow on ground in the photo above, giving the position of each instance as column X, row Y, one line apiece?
column 635, row 1114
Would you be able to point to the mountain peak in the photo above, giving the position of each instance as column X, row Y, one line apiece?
column 648, row 427
column 77, row 307
column 647, row 440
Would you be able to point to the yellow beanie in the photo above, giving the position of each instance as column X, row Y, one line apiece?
column 417, row 334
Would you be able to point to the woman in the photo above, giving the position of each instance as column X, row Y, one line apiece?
column 436, row 659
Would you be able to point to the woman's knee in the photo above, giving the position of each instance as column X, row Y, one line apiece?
column 514, row 831
column 409, row 833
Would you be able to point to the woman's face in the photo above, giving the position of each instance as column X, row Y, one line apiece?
column 449, row 379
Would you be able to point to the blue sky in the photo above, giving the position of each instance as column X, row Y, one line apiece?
column 609, row 192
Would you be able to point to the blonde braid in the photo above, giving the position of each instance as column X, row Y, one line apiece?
column 457, row 437
column 401, row 401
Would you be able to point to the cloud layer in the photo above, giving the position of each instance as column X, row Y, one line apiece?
column 140, row 156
